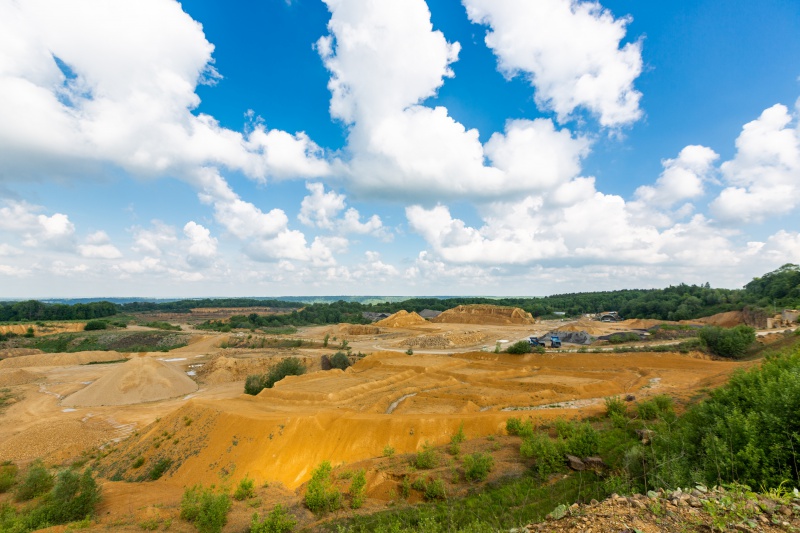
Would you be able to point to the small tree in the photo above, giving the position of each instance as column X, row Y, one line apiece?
column 340, row 360
column 728, row 342
column 321, row 495
column 205, row 508
column 520, row 347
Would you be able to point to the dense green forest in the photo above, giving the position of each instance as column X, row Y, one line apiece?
column 773, row 291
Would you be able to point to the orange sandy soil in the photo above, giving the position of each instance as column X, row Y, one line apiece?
column 218, row 435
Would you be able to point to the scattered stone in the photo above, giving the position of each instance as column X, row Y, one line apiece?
column 558, row 513
column 595, row 463
column 575, row 463
column 630, row 398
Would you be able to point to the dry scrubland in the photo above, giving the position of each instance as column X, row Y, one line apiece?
column 141, row 410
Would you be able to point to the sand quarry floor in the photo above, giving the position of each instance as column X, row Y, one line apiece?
column 216, row 434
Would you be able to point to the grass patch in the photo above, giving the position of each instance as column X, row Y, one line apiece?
column 206, row 508
column 501, row 506
column 321, row 496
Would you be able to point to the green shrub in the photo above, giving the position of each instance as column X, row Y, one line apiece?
column 435, row 490
column 255, row 383
column 477, row 466
column 291, row 366
column 515, row 426
column 94, row 325
column 728, row 342
column 245, row 489
column 647, row 410
column 340, row 360
column 277, row 521
column 138, row 462
column 546, row 452
column 619, row 338
column 388, row 451
column 519, row 347
column 74, row 496
column 405, row 487
column 426, row 458
column 663, row 403
column 456, row 440
column 321, row 496
column 584, row 441
column 615, row 405
column 8, row 476
column 748, row 430
column 158, row 469
column 358, row 490
column 29, row 333
column 205, row 508
column 36, row 482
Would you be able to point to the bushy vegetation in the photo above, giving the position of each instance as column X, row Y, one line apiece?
column 619, row 338
column 426, row 458
column 277, row 521
column 37, row 481
column 747, row 432
column 94, row 325
column 291, row 366
column 68, row 497
column 340, row 360
column 321, row 496
column 477, row 466
column 728, row 342
column 166, row 326
column 358, row 489
column 245, row 489
column 519, row 347
column 8, row 476
column 206, row 508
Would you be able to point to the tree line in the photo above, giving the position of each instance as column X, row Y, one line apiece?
column 772, row 291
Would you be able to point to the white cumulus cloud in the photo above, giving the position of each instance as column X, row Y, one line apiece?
column 571, row 52
column 764, row 177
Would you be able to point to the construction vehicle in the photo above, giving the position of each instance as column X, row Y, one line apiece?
column 608, row 316
column 555, row 341
column 534, row 341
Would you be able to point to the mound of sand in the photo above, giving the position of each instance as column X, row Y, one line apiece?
column 9, row 378
column 60, row 359
column 141, row 379
column 358, row 329
column 46, row 329
column 484, row 314
column 725, row 320
column 643, row 323
column 446, row 340
column 16, row 352
column 585, row 327
column 401, row 319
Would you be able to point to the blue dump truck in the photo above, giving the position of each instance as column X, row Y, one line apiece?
column 534, row 341
column 555, row 341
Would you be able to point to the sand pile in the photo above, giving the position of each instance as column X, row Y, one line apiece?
column 16, row 352
column 446, row 340
column 643, row 323
column 46, row 329
column 725, row 320
column 9, row 378
column 484, row 314
column 61, row 359
column 401, row 319
column 141, row 379
column 586, row 327
column 358, row 329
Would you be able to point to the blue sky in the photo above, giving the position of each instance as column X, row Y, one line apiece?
column 482, row 147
